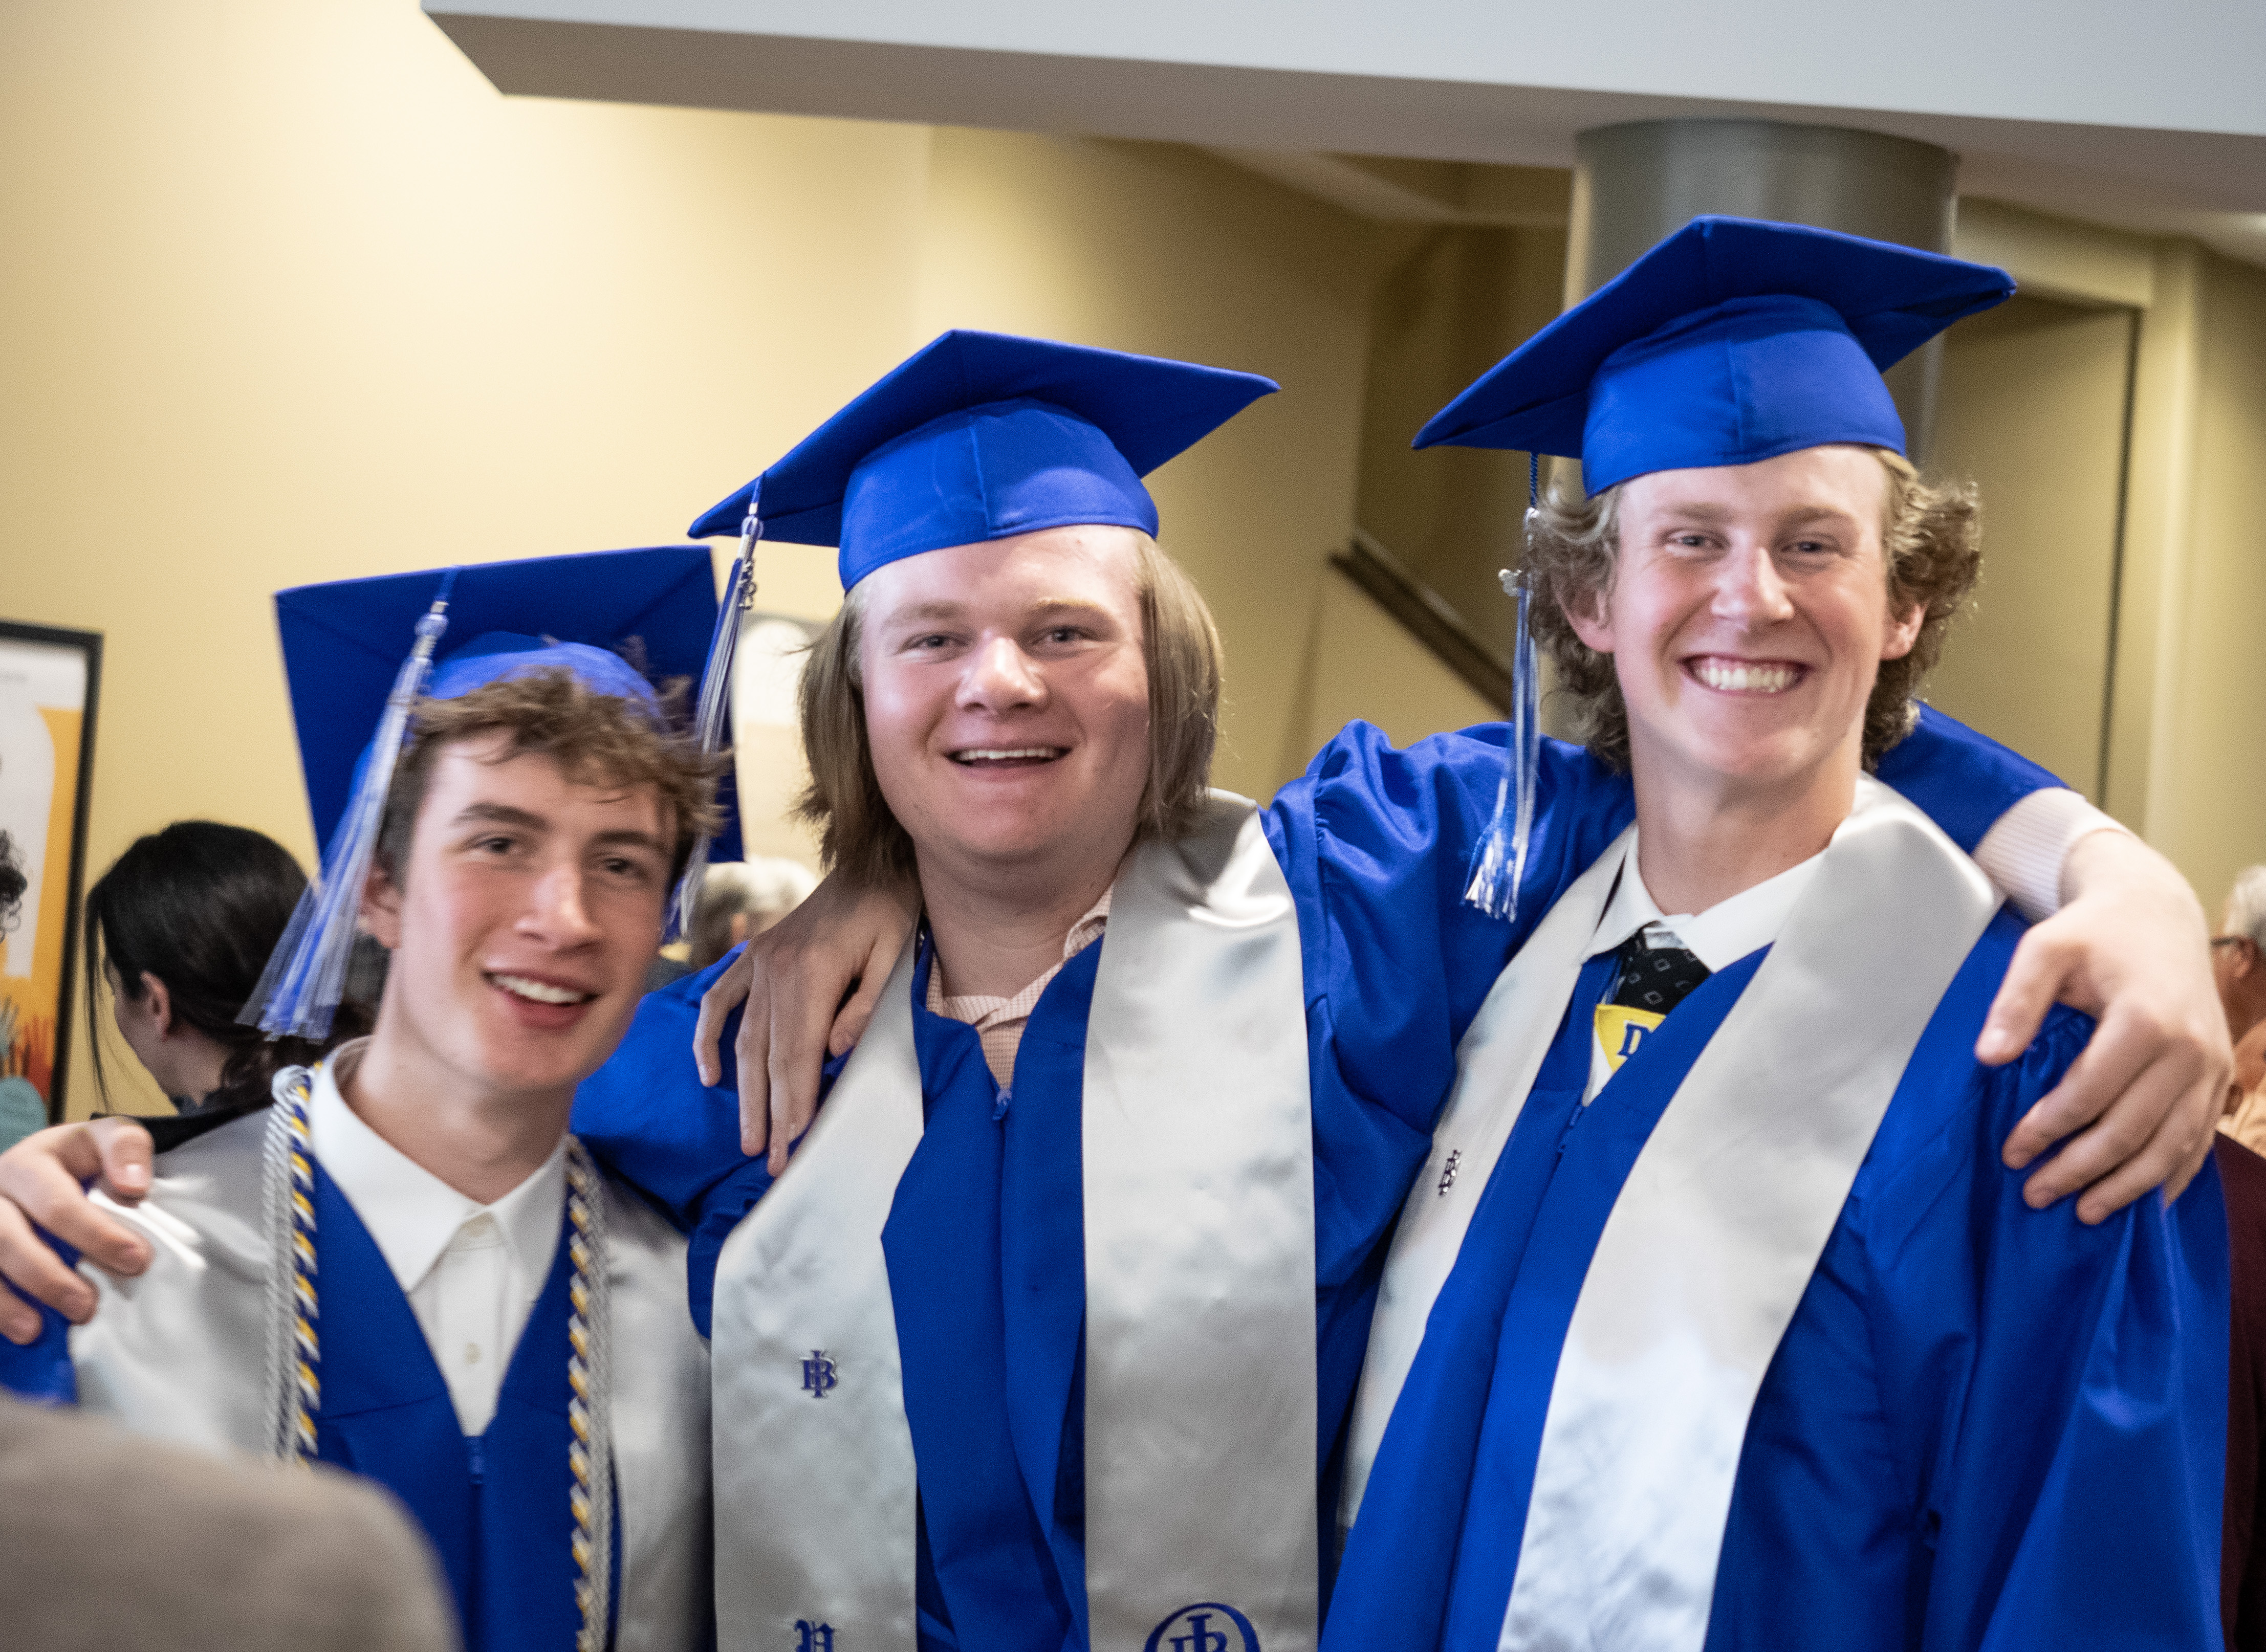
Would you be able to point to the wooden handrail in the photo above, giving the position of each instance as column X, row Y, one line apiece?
column 1427, row 615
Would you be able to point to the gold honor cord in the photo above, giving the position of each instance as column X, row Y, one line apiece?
column 295, row 1344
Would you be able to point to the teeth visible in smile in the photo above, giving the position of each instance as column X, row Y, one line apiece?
column 997, row 754
column 540, row 992
column 1762, row 679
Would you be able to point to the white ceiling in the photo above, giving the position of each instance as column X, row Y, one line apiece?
column 2145, row 118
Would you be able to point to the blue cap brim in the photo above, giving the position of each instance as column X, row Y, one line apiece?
column 1149, row 408
column 1889, row 299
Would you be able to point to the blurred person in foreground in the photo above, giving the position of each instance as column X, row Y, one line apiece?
column 2238, row 963
column 224, row 1555
column 406, row 1265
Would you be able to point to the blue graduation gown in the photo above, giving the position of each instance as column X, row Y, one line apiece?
column 1985, row 1425
column 494, row 1507
column 1376, row 845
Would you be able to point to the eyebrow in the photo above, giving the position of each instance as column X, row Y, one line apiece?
column 1701, row 511
column 502, row 814
column 1046, row 607
column 505, row 814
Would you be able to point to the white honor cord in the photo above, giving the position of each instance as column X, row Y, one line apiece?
column 295, row 1349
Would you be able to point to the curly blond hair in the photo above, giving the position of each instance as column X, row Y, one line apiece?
column 1931, row 535
column 605, row 739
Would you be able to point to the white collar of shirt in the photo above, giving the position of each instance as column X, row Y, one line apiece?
column 413, row 1215
column 1724, row 934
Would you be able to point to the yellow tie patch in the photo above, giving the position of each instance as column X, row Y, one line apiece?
column 1620, row 1029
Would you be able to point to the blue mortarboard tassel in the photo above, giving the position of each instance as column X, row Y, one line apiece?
column 305, row 977
column 714, row 710
column 1500, row 861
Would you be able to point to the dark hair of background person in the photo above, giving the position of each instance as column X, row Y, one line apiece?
column 12, row 880
column 200, row 906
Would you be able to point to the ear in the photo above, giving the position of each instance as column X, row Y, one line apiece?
column 1591, row 618
column 381, row 907
column 160, row 1003
column 1902, row 631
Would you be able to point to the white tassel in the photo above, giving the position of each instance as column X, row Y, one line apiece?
column 715, row 705
column 306, row 974
column 1500, row 861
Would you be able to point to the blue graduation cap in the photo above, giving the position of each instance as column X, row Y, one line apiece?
column 981, row 435
column 1731, row 341
column 358, row 653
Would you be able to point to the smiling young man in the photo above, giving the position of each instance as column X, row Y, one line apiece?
column 1729, row 1329
column 1049, row 1337
column 404, row 1265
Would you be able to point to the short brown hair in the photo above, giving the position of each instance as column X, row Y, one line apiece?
column 603, row 739
column 1179, row 645
column 1930, row 538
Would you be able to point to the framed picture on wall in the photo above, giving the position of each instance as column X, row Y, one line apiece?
column 48, row 683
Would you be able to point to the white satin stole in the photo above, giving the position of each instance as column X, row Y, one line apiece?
column 1713, row 1241
column 180, row 1354
column 1200, row 1407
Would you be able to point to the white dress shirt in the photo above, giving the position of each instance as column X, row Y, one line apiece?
column 1724, row 934
column 2022, row 854
column 472, row 1272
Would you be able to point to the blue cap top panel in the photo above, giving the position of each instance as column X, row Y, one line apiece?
column 1731, row 341
column 344, row 642
column 980, row 435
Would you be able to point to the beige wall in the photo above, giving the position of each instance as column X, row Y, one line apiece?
column 1447, row 310
column 2188, row 756
column 289, row 293
column 2030, row 400
column 2032, row 410
column 1361, row 662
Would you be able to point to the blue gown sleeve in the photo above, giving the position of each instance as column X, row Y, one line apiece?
column 1376, row 845
column 647, row 1117
column 42, row 1372
column 1989, row 1426
column 649, row 1120
column 1960, row 779
column 2077, row 1500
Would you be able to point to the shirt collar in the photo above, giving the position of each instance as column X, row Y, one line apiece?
column 1083, row 934
column 1721, row 936
column 411, row 1213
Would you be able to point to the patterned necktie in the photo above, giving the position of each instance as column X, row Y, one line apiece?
column 1654, row 977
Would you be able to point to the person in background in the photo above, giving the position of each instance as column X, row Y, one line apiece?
column 179, row 928
column 740, row 899
column 2238, row 962
column 225, row 1556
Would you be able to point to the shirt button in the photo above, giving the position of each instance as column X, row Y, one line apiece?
column 480, row 1227
column 471, row 1353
